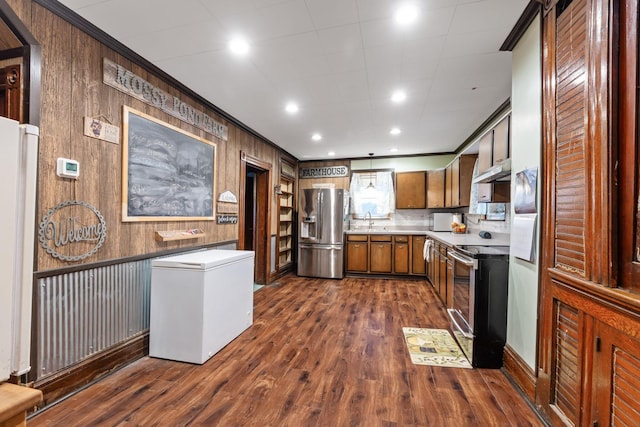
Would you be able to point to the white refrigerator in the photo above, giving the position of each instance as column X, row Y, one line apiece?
column 200, row 302
column 18, row 194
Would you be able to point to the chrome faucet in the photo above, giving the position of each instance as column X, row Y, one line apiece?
column 370, row 219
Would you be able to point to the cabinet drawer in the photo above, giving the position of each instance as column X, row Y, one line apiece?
column 357, row 237
column 401, row 239
column 380, row 238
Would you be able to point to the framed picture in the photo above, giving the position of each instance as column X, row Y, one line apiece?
column 168, row 174
column 525, row 191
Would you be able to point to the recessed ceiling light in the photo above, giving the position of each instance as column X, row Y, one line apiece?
column 331, row 153
column 393, row 150
column 239, row 46
column 406, row 14
column 316, row 137
column 398, row 96
column 395, row 131
column 291, row 107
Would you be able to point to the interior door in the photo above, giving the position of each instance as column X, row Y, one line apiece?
column 253, row 225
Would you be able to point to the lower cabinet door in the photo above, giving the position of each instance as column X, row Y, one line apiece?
column 401, row 258
column 380, row 257
column 357, row 257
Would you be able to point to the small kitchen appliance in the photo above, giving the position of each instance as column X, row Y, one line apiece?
column 442, row 221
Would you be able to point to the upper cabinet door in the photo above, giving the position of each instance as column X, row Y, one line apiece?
column 485, row 152
column 501, row 141
column 435, row 188
column 411, row 190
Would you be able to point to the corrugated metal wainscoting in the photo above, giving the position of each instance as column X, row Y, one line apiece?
column 85, row 312
column 80, row 313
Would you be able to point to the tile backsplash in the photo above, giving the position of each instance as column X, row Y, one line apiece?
column 422, row 218
column 475, row 223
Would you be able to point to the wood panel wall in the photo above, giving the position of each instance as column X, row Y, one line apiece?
column 72, row 88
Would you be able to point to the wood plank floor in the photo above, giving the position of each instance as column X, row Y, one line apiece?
column 320, row 353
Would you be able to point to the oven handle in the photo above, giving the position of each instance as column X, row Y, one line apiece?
column 453, row 313
column 469, row 262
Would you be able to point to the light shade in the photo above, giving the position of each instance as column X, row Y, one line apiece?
column 291, row 107
column 239, row 46
column 398, row 96
column 406, row 14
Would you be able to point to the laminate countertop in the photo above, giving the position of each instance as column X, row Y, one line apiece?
column 454, row 239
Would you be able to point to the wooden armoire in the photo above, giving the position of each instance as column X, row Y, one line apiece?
column 589, row 334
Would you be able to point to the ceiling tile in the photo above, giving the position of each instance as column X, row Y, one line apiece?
column 332, row 13
column 123, row 17
column 486, row 15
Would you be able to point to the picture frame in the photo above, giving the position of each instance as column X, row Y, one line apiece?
column 168, row 174
column 526, row 186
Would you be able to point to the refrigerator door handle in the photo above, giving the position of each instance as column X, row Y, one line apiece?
column 317, row 246
column 320, row 215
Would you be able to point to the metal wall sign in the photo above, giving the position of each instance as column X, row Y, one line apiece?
column 227, row 219
column 96, row 128
column 125, row 81
column 72, row 231
column 324, row 172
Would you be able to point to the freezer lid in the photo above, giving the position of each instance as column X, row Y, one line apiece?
column 202, row 260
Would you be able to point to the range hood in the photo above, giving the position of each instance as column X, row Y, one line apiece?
column 501, row 172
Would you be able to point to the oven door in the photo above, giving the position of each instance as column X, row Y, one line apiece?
column 462, row 312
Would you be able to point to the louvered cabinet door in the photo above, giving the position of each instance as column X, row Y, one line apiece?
column 570, row 134
column 617, row 378
column 567, row 359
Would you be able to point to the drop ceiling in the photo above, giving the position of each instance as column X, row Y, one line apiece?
column 339, row 60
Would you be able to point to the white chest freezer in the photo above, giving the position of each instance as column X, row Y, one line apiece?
column 199, row 303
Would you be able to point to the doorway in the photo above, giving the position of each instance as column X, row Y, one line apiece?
column 253, row 224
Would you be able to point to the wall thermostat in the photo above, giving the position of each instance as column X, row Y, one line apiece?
column 68, row 168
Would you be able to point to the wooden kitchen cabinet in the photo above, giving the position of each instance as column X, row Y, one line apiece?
column 435, row 188
column 411, row 190
column 380, row 254
column 458, row 181
column 432, row 265
column 485, row 152
column 442, row 273
column 588, row 359
column 401, row 254
column 494, row 192
column 385, row 254
column 448, row 194
column 501, row 141
column 357, row 253
column 494, row 146
column 418, row 263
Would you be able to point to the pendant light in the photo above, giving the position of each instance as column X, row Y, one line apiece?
column 371, row 186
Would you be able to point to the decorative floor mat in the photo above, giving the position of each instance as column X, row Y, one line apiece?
column 434, row 347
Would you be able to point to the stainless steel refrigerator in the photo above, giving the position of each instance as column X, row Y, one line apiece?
column 321, row 232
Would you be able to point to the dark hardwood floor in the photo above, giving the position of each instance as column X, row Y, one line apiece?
column 320, row 353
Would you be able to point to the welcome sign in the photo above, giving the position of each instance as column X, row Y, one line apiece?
column 72, row 231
